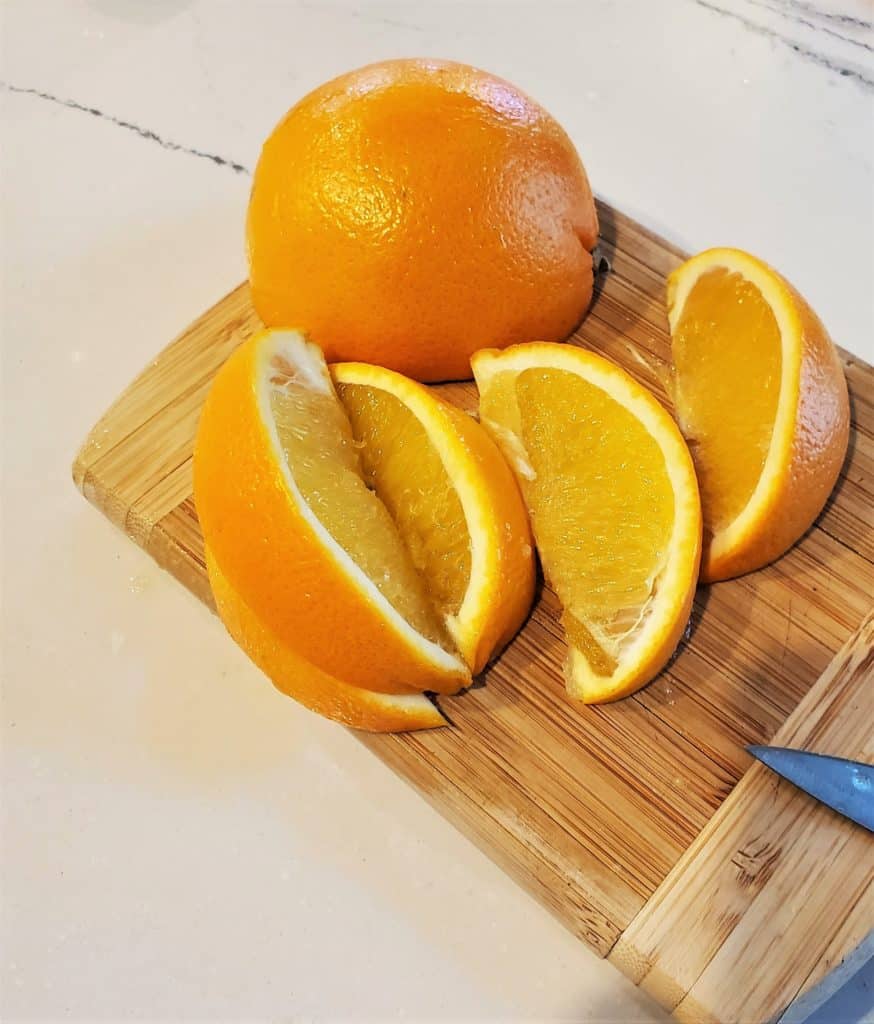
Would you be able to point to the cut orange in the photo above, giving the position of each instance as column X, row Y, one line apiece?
column 611, row 491
column 453, row 499
column 297, row 678
column 762, row 400
column 309, row 548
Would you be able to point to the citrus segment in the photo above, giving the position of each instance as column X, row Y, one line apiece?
column 453, row 499
column 726, row 329
column 613, row 501
column 272, row 438
column 297, row 678
column 603, row 520
column 761, row 397
column 402, row 466
column 324, row 461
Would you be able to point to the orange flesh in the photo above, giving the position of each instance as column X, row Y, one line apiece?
column 323, row 457
column 727, row 364
column 601, row 502
column 404, row 469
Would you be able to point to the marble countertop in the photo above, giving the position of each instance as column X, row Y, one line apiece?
column 179, row 841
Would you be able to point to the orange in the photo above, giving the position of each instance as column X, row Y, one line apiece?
column 762, row 400
column 297, row 533
column 359, row 709
column 614, row 504
column 413, row 211
column 454, row 501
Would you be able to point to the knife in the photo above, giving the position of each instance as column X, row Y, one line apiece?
column 845, row 786
column 848, row 788
column 845, row 994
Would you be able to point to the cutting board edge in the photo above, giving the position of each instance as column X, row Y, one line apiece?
column 743, row 820
column 616, row 942
column 591, row 923
column 155, row 532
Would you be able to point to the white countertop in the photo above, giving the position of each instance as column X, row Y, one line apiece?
column 179, row 840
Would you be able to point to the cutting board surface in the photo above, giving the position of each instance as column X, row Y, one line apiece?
column 618, row 818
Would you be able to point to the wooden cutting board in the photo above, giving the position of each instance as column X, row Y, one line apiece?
column 642, row 825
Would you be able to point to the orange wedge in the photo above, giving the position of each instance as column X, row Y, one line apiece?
column 762, row 400
column 288, row 517
column 357, row 708
column 454, row 500
column 613, row 499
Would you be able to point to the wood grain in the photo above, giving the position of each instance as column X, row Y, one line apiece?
column 771, row 864
column 594, row 810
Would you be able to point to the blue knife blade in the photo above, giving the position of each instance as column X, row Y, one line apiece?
column 845, row 786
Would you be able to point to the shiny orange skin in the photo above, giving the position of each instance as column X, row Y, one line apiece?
column 316, row 690
column 414, row 211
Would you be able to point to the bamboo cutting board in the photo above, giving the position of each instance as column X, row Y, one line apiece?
column 642, row 825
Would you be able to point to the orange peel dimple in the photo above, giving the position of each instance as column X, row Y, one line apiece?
column 409, row 212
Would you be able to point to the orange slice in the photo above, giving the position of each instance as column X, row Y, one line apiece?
column 762, row 400
column 297, row 678
column 453, row 499
column 309, row 548
column 611, row 490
